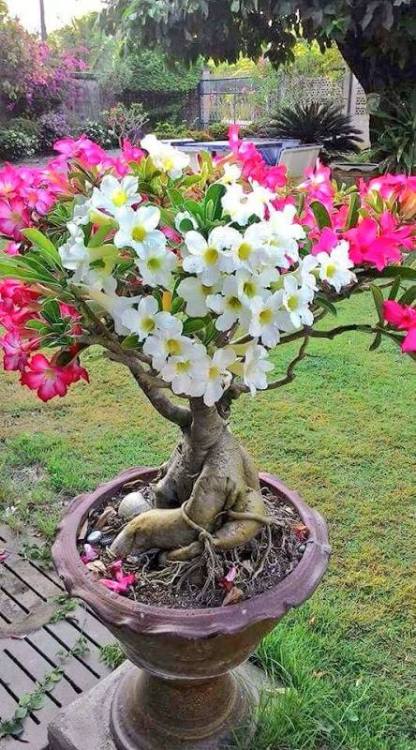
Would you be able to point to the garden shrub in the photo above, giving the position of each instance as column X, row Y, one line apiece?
column 98, row 131
column 53, row 126
column 16, row 144
column 24, row 125
column 126, row 122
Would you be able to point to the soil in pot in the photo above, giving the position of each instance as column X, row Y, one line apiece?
column 211, row 580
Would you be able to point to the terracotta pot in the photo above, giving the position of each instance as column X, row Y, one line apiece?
column 185, row 694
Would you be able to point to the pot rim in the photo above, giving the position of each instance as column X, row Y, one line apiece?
column 118, row 611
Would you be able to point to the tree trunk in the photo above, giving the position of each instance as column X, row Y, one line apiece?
column 209, row 489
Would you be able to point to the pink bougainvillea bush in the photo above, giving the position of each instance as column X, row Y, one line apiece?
column 190, row 279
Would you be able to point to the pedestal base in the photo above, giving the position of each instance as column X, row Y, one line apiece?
column 86, row 723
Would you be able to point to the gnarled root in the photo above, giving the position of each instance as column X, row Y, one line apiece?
column 209, row 480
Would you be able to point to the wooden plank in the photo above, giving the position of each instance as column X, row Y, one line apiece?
column 75, row 671
column 33, row 662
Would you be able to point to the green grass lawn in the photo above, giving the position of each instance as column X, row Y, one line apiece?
column 343, row 435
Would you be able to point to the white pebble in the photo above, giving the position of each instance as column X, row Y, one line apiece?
column 132, row 505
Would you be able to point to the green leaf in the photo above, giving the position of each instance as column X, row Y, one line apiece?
column 40, row 240
column 326, row 304
column 21, row 712
column 395, row 288
column 379, row 301
column 352, row 216
column 322, row 216
column 212, row 203
column 376, row 342
column 37, row 701
column 405, row 272
column 36, row 325
column 193, row 324
column 98, row 238
column 409, row 296
column 177, row 305
column 51, row 311
column 130, row 342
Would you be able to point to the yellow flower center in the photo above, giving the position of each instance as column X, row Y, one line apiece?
column 331, row 270
column 183, row 366
column 139, row 233
column 119, row 198
column 234, row 303
column 249, row 289
column 266, row 316
column 153, row 264
column 214, row 372
column 211, row 256
column 244, row 251
column 292, row 302
column 148, row 324
column 168, row 163
column 206, row 290
column 173, row 347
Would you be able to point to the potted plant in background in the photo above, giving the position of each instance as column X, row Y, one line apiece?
column 190, row 281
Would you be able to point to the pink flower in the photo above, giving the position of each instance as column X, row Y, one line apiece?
column 369, row 245
column 328, row 239
column 131, row 152
column 16, row 351
column 38, row 199
column 49, row 380
column 227, row 582
column 12, row 248
column 253, row 165
column 122, row 581
column 400, row 316
column 14, row 216
column 89, row 555
column 10, row 181
column 409, row 344
column 318, row 185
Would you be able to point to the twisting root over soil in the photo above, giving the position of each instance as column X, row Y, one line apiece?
column 208, row 496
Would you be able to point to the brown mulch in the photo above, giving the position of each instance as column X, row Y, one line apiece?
column 213, row 579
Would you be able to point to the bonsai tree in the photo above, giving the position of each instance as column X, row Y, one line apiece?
column 190, row 280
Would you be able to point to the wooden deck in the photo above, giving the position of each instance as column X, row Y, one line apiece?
column 23, row 587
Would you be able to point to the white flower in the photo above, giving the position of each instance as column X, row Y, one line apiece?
column 251, row 285
column 145, row 320
column 240, row 206
column 335, row 268
column 186, row 218
column 165, row 157
column 168, row 342
column 256, row 366
column 296, row 300
column 232, row 174
column 266, row 318
column 156, row 264
column 227, row 304
column 116, row 307
column 248, row 250
column 138, row 229
column 74, row 253
column 282, row 234
column 215, row 375
column 183, row 371
column 304, row 273
column 208, row 257
column 195, row 294
column 82, row 206
column 115, row 195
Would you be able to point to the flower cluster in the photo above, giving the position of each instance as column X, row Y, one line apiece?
column 196, row 276
column 402, row 317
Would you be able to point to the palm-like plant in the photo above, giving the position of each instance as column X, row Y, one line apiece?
column 317, row 122
column 396, row 134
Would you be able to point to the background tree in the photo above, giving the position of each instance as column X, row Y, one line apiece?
column 376, row 39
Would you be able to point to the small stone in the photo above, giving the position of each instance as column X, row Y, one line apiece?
column 94, row 537
column 132, row 505
column 302, row 548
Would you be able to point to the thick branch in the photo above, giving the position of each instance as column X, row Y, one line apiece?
column 290, row 372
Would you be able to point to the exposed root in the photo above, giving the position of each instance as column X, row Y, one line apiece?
column 208, row 493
